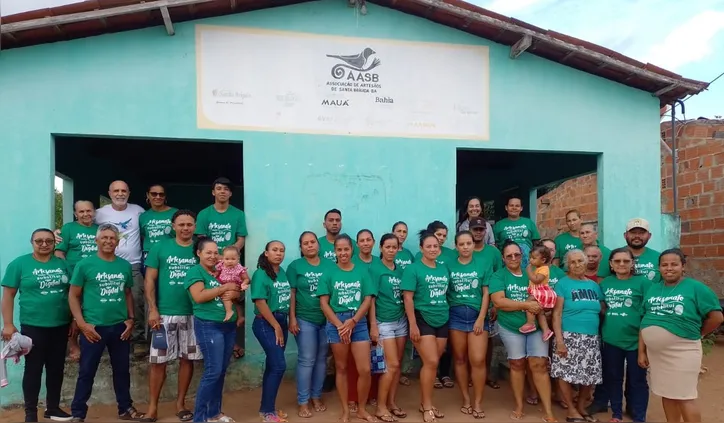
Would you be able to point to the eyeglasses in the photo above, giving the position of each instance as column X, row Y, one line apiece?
column 44, row 241
column 624, row 261
column 157, row 194
column 514, row 256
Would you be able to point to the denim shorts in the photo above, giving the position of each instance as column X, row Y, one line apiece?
column 523, row 345
column 396, row 329
column 462, row 318
column 360, row 333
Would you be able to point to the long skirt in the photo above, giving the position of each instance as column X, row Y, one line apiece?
column 583, row 364
column 674, row 363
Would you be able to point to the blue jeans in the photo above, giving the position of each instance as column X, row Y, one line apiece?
column 312, row 350
column 216, row 340
column 520, row 345
column 276, row 363
column 90, row 358
column 614, row 359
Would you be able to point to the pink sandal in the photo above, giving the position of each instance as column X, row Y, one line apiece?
column 527, row 328
column 547, row 335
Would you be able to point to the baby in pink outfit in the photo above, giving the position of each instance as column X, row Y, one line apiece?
column 229, row 270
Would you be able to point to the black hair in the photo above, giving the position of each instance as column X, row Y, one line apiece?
column 201, row 242
column 387, row 237
column 264, row 264
column 425, row 234
column 461, row 233
column 435, row 225
column 343, row 237
column 39, row 230
column 463, row 215
column 302, row 236
column 155, row 185
column 674, row 251
column 332, row 211
column 183, row 212
column 222, row 181
column 620, row 250
column 398, row 223
column 513, row 197
column 366, row 230
column 544, row 252
column 508, row 243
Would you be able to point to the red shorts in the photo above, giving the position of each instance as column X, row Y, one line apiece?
column 544, row 294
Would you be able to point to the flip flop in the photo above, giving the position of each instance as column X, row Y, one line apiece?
column 404, row 381
column 319, row 407
column 438, row 384
column 447, row 382
column 478, row 414
column 399, row 413
column 386, row 417
column 304, row 413
column 531, row 400
column 493, row 384
column 185, row 415
column 466, row 410
column 515, row 415
column 238, row 353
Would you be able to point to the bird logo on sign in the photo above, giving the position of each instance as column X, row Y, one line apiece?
column 356, row 62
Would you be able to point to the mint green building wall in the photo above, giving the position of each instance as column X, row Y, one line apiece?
column 143, row 84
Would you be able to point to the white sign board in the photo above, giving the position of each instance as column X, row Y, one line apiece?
column 260, row 80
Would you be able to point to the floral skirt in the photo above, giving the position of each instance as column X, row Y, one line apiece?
column 582, row 365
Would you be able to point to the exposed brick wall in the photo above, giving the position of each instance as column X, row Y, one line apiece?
column 701, row 198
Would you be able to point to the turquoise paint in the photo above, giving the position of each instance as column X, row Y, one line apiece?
column 143, row 84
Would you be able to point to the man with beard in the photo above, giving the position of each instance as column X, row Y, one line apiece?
column 646, row 260
column 333, row 226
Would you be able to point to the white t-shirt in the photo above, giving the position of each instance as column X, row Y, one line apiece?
column 126, row 221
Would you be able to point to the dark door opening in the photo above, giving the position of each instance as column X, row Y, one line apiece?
column 494, row 176
column 185, row 168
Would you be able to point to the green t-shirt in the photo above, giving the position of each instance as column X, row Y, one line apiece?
column 556, row 274
column 277, row 293
column 222, row 228
column 211, row 310
column 357, row 260
column 346, row 289
column 104, row 285
column 404, row 258
column 681, row 308
column 326, row 249
column 389, row 306
column 172, row 262
column 490, row 258
column 430, row 286
column 155, row 226
column 521, row 231
column 647, row 265
column 78, row 242
column 581, row 305
column 566, row 242
column 304, row 278
column 446, row 255
column 516, row 289
column 624, row 310
column 604, row 269
column 43, row 289
column 467, row 282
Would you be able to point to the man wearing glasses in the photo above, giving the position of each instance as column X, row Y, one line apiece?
column 155, row 222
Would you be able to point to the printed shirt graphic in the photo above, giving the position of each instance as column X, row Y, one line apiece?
column 604, row 269
column 78, row 243
column 104, row 284
column 277, row 293
column 222, row 228
column 42, row 288
column 357, row 260
column 304, row 278
column 624, row 310
column 326, row 249
column 172, row 262
column 556, row 274
column 404, row 258
column 647, row 265
column 566, row 242
column 581, row 305
column 126, row 221
column 466, row 283
column 522, row 231
column 516, row 289
column 389, row 306
column 211, row 310
column 346, row 289
column 156, row 226
column 490, row 258
column 430, row 286
column 446, row 255
column 681, row 308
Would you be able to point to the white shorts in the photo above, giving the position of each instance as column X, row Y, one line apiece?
column 181, row 340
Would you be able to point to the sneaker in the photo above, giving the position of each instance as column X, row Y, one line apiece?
column 31, row 417
column 77, row 420
column 57, row 415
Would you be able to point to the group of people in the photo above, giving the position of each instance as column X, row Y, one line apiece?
column 612, row 315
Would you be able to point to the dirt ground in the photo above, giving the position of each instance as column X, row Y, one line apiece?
column 243, row 405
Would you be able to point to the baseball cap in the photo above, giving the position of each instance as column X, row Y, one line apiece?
column 637, row 222
column 477, row 222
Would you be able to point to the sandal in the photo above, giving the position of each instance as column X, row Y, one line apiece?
column 466, row 410
column 131, row 414
column 386, row 417
column 437, row 384
column 304, row 412
column 589, row 418
column 185, row 415
column 282, row 414
column 531, row 400
column 397, row 412
column 527, row 328
column 404, row 380
column 550, row 419
column 438, row 414
column 319, row 406
column 238, row 353
column 516, row 415
column 448, row 382
column 493, row 384
column 431, row 415
column 352, row 406
column 478, row 414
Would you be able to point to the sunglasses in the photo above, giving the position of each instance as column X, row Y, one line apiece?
column 514, row 256
column 624, row 261
column 44, row 241
column 157, row 194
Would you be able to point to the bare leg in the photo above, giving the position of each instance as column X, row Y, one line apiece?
column 361, row 353
column 340, row 352
column 74, row 348
column 672, row 411
column 543, row 322
column 430, row 355
column 567, row 394
column 229, row 309
column 690, row 411
column 156, row 379
column 517, row 383
column 185, row 374
column 477, row 346
column 459, row 341
column 538, row 367
column 392, row 396
column 584, row 394
column 390, row 378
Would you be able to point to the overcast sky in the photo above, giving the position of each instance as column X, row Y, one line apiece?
column 686, row 37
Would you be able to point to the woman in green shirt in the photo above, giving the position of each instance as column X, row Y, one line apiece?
column 214, row 336
column 468, row 298
column 424, row 285
column 42, row 281
column 570, row 240
column 271, row 294
column 404, row 257
column 365, row 244
column 307, row 323
column 345, row 294
column 678, row 313
column 439, row 229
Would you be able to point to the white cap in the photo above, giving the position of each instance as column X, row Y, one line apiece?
column 637, row 222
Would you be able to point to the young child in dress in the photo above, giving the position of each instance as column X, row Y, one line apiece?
column 229, row 270
column 539, row 290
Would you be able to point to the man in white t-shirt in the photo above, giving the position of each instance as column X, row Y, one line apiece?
column 124, row 216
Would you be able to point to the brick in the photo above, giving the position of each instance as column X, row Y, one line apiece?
column 690, row 239
column 716, row 171
column 702, row 175
column 719, row 223
column 714, row 211
column 704, row 238
column 696, row 188
column 705, row 224
column 705, row 200
column 717, row 238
